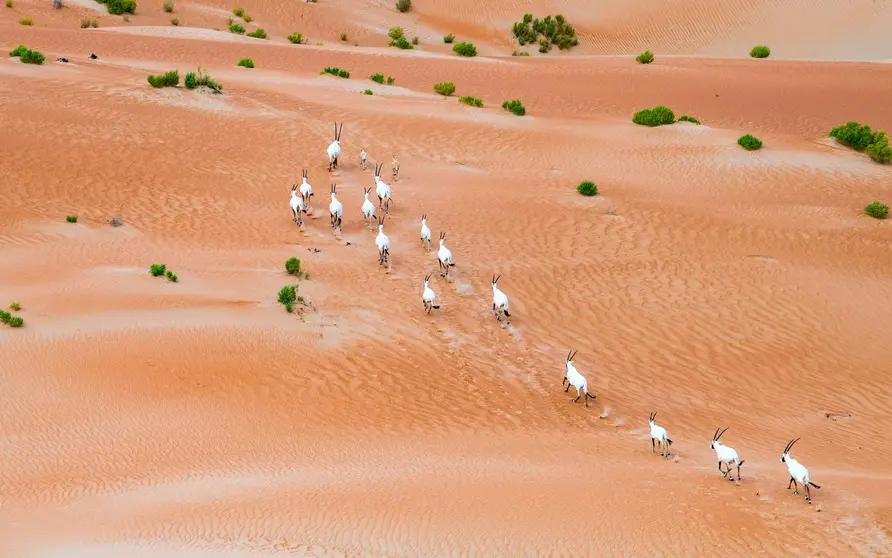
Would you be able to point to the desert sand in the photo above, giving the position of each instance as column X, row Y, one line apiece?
column 716, row 286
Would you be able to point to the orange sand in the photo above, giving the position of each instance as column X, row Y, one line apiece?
column 717, row 286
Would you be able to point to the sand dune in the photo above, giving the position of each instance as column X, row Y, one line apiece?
column 719, row 287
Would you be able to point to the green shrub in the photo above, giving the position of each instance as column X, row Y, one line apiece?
column 401, row 43
column 587, row 188
column 258, row 34
column 18, row 51
column 760, row 51
column 175, row 21
column 749, row 142
column 396, row 33
column 157, row 270
column 288, row 296
column 169, row 79
column 390, row 80
column 87, row 23
column 245, row 63
column 854, row 135
column 15, row 306
column 26, row 21
column 657, row 116
column 445, row 88
column 343, row 36
column 368, row 92
column 515, row 107
column 472, row 101
column 296, row 38
column 449, row 38
column 337, row 72
column 248, row 19
column 236, row 28
column 118, row 7
column 16, row 321
column 32, row 57
column 520, row 53
column 238, row 12
column 686, row 118
column 292, row 266
column 377, row 78
column 554, row 31
column 880, row 151
column 201, row 78
column 71, row 218
column 168, row 6
column 645, row 57
column 172, row 277
column 877, row 210
column 5, row 316
column 403, row 6
column 465, row 49
column 8, row 3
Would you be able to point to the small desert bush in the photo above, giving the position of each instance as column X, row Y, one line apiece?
column 343, row 36
column 377, row 78
column 248, row 19
column 87, row 23
column 71, row 218
column 246, row 63
column 168, row 6
column 32, row 57
column 296, row 38
column 449, row 38
column 337, row 72
column 688, row 118
column 368, row 92
column 403, row 6
column 645, row 57
column 175, row 21
column 520, row 53
column 258, row 34
column 157, row 270
column 515, row 107
column 236, row 28
column 880, row 151
column 169, row 79
column 877, row 210
column 15, row 306
column 238, row 12
column 415, row 41
column 292, row 266
column 587, row 188
column 201, row 78
column 857, row 136
column 26, row 21
column 288, row 296
column 396, row 33
column 171, row 276
column 472, row 101
column 464, row 49
column 749, row 142
column 657, row 116
column 10, row 320
column 760, row 51
column 401, row 43
column 445, row 88
column 18, row 51
column 554, row 31
column 8, row 3
column 118, row 7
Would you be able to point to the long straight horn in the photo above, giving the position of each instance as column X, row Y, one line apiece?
column 787, row 447
column 722, row 432
column 499, row 277
column 335, row 130
column 793, row 443
column 714, row 434
column 340, row 130
column 653, row 416
column 574, row 354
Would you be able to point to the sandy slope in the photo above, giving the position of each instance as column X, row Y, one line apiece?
column 719, row 287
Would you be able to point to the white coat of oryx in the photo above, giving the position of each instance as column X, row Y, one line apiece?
column 297, row 206
column 363, row 157
column 428, row 297
column 575, row 379
column 334, row 149
column 499, row 300
column 368, row 208
column 726, row 455
column 382, row 241
column 798, row 472
column 382, row 189
column 335, row 209
column 425, row 233
column 658, row 436
column 306, row 191
column 444, row 256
